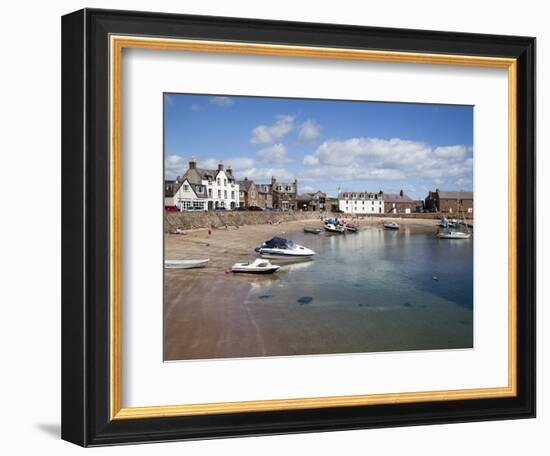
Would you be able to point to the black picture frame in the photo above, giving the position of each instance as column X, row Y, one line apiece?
column 85, row 227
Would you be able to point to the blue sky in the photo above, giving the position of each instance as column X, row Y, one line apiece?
column 325, row 144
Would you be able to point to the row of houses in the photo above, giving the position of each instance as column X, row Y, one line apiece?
column 211, row 189
column 399, row 203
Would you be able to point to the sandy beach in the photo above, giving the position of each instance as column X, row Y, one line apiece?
column 207, row 314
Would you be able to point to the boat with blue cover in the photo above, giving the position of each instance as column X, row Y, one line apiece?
column 278, row 247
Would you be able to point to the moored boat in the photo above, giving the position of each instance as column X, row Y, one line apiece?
column 312, row 230
column 282, row 248
column 391, row 226
column 351, row 228
column 333, row 228
column 258, row 266
column 452, row 234
column 186, row 264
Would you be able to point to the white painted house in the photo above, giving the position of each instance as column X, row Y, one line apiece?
column 203, row 189
column 361, row 202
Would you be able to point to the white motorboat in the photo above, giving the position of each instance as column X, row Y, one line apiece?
column 258, row 266
column 332, row 228
column 391, row 226
column 283, row 248
column 185, row 264
column 452, row 234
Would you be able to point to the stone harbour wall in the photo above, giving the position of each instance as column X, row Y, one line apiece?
column 222, row 219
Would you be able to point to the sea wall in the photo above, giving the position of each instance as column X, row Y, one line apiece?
column 222, row 219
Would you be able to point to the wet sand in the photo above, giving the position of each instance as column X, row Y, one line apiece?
column 208, row 315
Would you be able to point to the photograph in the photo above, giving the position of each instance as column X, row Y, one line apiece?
column 297, row 226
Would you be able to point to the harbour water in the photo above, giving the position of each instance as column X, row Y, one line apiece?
column 376, row 290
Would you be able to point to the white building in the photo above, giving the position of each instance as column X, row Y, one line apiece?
column 202, row 189
column 361, row 202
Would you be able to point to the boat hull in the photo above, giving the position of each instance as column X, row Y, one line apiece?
column 185, row 264
column 453, row 235
column 270, row 270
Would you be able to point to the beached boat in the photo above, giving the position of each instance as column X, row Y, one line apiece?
column 186, row 264
column 312, row 230
column 391, row 226
column 258, row 266
column 332, row 228
column 283, row 248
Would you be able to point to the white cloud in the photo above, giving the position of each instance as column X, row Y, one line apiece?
column 383, row 159
column 307, row 188
column 222, row 101
column 273, row 154
column 309, row 131
column 174, row 166
column 264, row 174
column 267, row 134
column 236, row 163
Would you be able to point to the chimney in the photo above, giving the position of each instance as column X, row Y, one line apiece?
column 230, row 171
column 246, row 178
column 401, row 192
column 192, row 163
column 273, row 180
column 220, row 166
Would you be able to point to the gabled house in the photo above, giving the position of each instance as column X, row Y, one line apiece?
column 285, row 194
column 248, row 193
column 203, row 189
column 451, row 202
column 312, row 201
column 399, row 203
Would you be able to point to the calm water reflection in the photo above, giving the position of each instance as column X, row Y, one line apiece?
column 381, row 289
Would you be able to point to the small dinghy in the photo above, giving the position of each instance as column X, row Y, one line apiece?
column 312, row 230
column 283, row 248
column 185, row 264
column 452, row 234
column 351, row 228
column 391, row 226
column 332, row 228
column 258, row 266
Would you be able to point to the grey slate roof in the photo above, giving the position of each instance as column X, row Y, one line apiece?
column 456, row 195
column 245, row 185
column 396, row 198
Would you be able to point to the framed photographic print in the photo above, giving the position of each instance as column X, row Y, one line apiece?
column 278, row 227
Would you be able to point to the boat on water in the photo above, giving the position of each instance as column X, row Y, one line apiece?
column 282, row 248
column 391, row 226
column 185, row 264
column 312, row 230
column 452, row 234
column 351, row 228
column 333, row 228
column 258, row 266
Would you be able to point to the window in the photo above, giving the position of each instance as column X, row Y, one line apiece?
column 279, row 188
column 199, row 189
column 288, row 188
column 225, row 182
column 218, row 181
column 186, row 187
column 232, row 194
column 210, row 193
column 219, row 193
column 225, row 194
